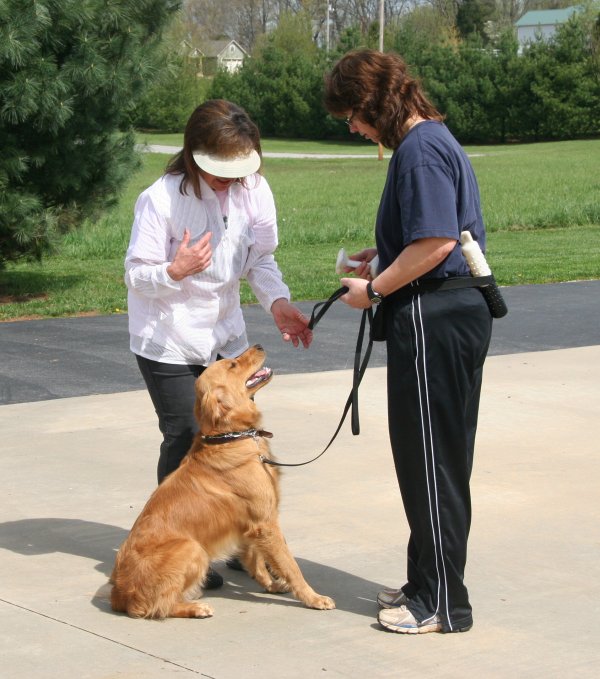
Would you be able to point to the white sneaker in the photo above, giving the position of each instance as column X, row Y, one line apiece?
column 391, row 598
column 403, row 621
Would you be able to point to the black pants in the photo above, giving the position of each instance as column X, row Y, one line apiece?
column 171, row 388
column 436, row 345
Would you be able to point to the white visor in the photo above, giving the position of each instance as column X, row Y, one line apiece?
column 228, row 168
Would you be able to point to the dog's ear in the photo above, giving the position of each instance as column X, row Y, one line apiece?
column 215, row 405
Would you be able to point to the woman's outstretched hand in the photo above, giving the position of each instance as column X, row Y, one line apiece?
column 291, row 322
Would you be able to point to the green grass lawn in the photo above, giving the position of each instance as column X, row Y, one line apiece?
column 541, row 204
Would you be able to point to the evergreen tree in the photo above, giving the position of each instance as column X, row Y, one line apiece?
column 561, row 90
column 167, row 105
column 472, row 15
column 70, row 73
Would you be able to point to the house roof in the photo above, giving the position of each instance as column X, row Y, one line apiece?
column 545, row 17
column 213, row 48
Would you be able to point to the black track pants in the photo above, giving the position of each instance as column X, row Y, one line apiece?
column 436, row 345
column 171, row 388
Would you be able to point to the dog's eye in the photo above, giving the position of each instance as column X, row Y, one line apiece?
column 233, row 364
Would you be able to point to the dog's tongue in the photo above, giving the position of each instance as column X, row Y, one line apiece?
column 258, row 376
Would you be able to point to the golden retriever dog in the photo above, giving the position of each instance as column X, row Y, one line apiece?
column 222, row 500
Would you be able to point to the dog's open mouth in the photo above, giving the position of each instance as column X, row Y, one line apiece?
column 260, row 376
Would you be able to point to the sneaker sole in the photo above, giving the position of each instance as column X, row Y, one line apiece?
column 423, row 629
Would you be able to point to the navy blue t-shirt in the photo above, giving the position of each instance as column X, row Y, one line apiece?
column 430, row 191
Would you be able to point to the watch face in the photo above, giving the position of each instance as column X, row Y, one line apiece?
column 374, row 297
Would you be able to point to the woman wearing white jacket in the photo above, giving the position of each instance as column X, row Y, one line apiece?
column 207, row 223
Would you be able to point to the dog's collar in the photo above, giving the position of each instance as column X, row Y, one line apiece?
column 235, row 435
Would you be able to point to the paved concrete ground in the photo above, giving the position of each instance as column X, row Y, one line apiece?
column 77, row 471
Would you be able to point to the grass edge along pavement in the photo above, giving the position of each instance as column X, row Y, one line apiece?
column 540, row 204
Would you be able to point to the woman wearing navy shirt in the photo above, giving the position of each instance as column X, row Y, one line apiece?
column 437, row 339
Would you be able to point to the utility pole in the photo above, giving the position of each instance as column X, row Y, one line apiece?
column 381, row 22
column 381, row 29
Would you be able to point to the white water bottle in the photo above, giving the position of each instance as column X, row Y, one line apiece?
column 475, row 258
column 479, row 267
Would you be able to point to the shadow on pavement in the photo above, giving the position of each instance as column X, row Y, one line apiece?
column 99, row 542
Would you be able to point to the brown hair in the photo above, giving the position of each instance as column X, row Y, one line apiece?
column 378, row 89
column 216, row 127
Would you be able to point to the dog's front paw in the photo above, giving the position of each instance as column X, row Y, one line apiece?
column 323, row 603
column 188, row 609
column 278, row 587
column 201, row 610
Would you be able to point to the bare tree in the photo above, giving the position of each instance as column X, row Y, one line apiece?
column 246, row 20
column 206, row 19
column 447, row 9
column 242, row 20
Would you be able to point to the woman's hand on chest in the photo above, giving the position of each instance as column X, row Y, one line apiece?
column 190, row 260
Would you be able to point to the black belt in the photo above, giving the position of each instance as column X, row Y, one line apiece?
column 486, row 284
column 426, row 285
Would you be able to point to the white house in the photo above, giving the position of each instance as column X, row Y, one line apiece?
column 222, row 54
column 541, row 23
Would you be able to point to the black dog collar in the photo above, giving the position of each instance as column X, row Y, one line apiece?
column 235, row 435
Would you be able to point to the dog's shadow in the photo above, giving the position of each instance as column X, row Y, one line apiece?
column 100, row 542
column 351, row 593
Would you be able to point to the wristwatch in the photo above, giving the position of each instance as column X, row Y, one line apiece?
column 374, row 297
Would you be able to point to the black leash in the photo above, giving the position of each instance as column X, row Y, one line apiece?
column 360, row 366
column 319, row 310
column 415, row 288
column 322, row 307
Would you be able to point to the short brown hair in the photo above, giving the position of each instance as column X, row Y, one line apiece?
column 217, row 127
column 377, row 87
